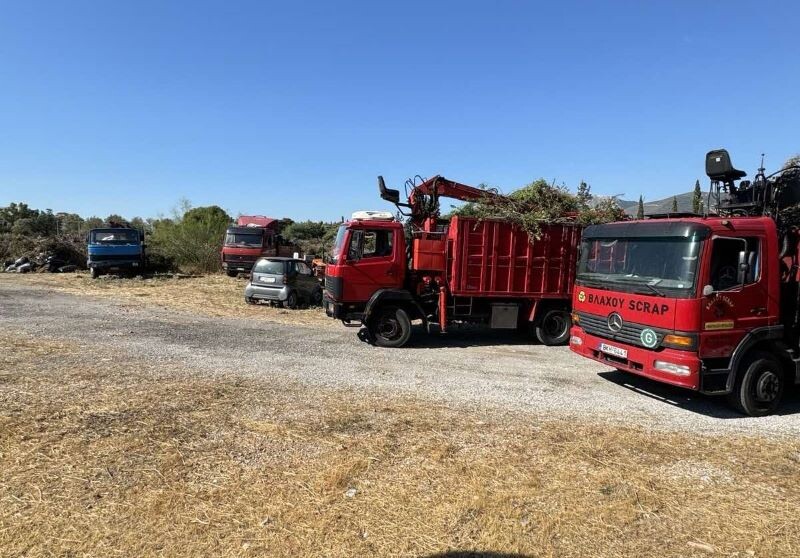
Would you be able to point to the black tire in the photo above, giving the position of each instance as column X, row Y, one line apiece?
column 291, row 300
column 94, row 273
column 553, row 327
column 390, row 327
column 316, row 297
column 231, row 273
column 759, row 386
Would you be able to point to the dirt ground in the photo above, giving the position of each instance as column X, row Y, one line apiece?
column 113, row 445
column 210, row 295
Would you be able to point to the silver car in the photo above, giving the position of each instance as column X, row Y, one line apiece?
column 284, row 281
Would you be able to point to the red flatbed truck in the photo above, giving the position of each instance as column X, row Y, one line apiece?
column 708, row 303
column 383, row 274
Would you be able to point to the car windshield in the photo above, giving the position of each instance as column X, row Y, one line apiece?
column 660, row 266
column 115, row 236
column 338, row 244
column 243, row 239
column 272, row 267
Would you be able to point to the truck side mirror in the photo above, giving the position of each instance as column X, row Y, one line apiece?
column 741, row 275
column 708, row 290
column 387, row 193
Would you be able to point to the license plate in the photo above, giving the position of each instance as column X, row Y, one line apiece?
column 268, row 279
column 613, row 351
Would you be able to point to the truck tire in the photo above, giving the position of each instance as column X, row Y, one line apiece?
column 390, row 327
column 759, row 386
column 231, row 273
column 291, row 300
column 94, row 273
column 553, row 327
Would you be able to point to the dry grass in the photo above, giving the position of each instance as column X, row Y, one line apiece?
column 211, row 295
column 103, row 457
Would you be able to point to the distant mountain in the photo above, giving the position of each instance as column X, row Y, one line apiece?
column 660, row 206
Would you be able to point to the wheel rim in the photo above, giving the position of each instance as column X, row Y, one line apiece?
column 555, row 325
column 389, row 327
column 767, row 387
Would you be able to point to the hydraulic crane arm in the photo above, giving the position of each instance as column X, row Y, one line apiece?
column 424, row 198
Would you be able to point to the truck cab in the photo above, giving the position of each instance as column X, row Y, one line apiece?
column 115, row 249
column 250, row 238
column 707, row 303
column 369, row 255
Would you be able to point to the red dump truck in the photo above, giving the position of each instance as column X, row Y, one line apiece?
column 252, row 237
column 383, row 274
column 705, row 302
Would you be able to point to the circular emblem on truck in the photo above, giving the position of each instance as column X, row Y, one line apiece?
column 581, row 296
column 614, row 322
column 649, row 338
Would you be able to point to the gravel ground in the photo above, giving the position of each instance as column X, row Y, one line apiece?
column 481, row 370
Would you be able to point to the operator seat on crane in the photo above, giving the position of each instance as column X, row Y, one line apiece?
column 720, row 169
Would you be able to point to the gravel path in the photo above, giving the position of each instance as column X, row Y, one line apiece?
column 484, row 369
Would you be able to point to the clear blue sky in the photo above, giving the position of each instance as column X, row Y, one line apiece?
column 293, row 108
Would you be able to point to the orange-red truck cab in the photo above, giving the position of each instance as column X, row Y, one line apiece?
column 252, row 237
column 704, row 303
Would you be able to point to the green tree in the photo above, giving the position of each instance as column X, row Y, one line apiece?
column 697, row 198
column 584, row 195
column 640, row 210
column 674, row 204
column 193, row 240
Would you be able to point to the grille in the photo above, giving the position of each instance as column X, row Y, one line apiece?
column 334, row 287
column 237, row 258
column 629, row 334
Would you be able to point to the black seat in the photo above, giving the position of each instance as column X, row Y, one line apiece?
column 720, row 168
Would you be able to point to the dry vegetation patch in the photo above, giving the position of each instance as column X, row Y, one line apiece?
column 103, row 456
column 210, row 295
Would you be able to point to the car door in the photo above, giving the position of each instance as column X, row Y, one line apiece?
column 372, row 263
column 737, row 303
column 305, row 279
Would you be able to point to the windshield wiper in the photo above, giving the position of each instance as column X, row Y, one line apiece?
column 652, row 289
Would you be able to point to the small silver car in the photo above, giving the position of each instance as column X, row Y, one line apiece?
column 284, row 281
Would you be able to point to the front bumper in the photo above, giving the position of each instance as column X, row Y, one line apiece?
column 243, row 267
column 262, row 292
column 341, row 311
column 639, row 360
column 114, row 264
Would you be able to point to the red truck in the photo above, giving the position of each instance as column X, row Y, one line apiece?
column 704, row 302
column 382, row 274
column 252, row 237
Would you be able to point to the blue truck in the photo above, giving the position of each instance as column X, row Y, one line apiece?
column 115, row 250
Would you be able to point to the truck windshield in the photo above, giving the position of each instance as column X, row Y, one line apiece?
column 114, row 236
column 243, row 239
column 338, row 244
column 659, row 266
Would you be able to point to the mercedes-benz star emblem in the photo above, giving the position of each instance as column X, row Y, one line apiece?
column 614, row 322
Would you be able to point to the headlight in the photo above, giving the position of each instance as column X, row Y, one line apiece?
column 677, row 369
column 575, row 340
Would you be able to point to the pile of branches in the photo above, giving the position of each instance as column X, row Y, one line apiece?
column 541, row 203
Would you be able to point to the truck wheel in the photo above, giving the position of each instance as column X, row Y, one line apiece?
column 94, row 273
column 231, row 273
column 291, row 300
column 759, row 385
column 553, row 328
column 391, row 327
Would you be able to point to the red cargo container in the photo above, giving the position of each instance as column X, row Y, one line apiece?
column 496, row 259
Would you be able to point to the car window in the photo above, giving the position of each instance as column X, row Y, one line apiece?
column 725, row 262
column 274, row 267
column 303, row 269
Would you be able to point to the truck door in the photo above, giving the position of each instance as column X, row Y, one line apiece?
column 373, row 262
column 739, row 301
